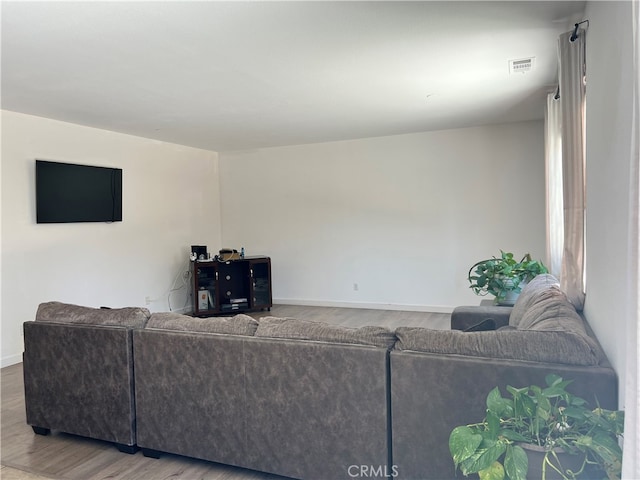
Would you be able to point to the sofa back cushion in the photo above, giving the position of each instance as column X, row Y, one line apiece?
column 553, row 312
column 292, row 328
column 528, row 296
column 58, row 312
column 531, row 345
column 236, row 325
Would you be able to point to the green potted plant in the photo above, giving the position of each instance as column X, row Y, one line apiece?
column 503, row 276
column 549, row 420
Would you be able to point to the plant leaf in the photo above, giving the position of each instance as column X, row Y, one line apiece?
column 494, row 472
column 575, row 412
column 523, row 404
column 516, row 463
column 606, row 447
column 554, row 391
column 513, row 435
column 543, row 408
column 484, row 458
column 499, row 406
column 578, row 401
column 493, row 424
column 514, row 391
column 553, row 379
column 463, row 443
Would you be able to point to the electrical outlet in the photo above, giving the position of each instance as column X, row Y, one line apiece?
column 147, row 300
column 355, row 287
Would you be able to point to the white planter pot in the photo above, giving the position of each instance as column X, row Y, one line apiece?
column 511, row 296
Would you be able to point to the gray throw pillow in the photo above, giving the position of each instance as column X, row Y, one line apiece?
column 292, row 328
column 237, row 325
column 528, row 295
column 58, row 312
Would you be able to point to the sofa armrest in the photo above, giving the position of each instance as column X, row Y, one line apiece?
column 79, row 379
column 465, row 318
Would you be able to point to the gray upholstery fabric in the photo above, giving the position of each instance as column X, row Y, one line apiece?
column 236, row 325
column 190, row 394
column 79, row 379
column 432, row 393
column 58, row 312
column 307, row 330
column 551, row 311
column 549, row 347
column 315, row 408
column 528, row 296
column 487, row 324
column 300, row 409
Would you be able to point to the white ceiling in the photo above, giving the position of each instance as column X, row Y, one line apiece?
column 243, row 75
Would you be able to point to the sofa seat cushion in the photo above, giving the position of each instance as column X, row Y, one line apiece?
column 57, row 312
column 529, row 294
column 292, row 328
column 236, row 325
column 537, row 346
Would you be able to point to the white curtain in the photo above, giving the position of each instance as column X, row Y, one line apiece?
column 572, row 106
column 553, row 167
column 631, row 456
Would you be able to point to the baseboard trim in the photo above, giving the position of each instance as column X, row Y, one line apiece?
column 372, row 306
column 11, row 360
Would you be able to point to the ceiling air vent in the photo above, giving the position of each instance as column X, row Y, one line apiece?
column 522, row 65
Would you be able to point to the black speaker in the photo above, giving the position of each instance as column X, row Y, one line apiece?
column 200, row 251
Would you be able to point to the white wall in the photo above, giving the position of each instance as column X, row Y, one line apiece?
column 170, row 201
column 609, row 114
column 403, row 217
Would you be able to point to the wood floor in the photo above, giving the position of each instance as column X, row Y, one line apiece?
column 26, row 456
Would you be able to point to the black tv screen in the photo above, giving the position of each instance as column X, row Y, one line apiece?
column 67, row 193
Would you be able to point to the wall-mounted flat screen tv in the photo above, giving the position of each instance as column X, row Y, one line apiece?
column 68, row 193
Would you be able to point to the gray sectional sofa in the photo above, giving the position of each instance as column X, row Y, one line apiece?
column 311, row 400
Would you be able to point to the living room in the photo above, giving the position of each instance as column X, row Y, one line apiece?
column 386, row 221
